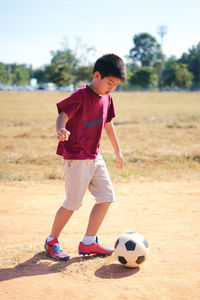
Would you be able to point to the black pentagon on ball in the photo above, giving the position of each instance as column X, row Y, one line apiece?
column 130, row 245
column 140, row 259
column 116, row 243
column 122, row 260
column 145, row 243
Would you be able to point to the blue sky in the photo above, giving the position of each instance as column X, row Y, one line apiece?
column 29, row 30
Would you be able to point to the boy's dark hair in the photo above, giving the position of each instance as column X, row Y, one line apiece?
column 110, row 65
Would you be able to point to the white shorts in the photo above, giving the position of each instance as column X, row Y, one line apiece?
column 91, row 174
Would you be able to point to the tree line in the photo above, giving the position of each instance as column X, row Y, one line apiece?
column 147, row 68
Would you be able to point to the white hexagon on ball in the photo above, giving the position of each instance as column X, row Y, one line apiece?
column 131, row 249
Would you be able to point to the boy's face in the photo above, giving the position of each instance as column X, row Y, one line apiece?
column 104, row 86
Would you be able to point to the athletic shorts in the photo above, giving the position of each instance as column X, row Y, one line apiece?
column 91, row 174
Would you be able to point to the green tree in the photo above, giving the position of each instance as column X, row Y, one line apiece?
column 176, row 74
column 183, row 76
column 146, row 50
column 144, row 77
column 3, row 73
column 40, row 74
column 20, row 74
column 192, row 60
column 84, row 73
column 62, row 68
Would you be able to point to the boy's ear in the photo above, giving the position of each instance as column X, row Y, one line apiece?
column 97, row 75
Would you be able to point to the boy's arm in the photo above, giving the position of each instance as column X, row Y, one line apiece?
column 110, row 131
column 62, row 133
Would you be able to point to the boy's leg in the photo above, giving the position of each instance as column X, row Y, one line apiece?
column 97, row 216
column 101, row 188
column 52, row 244
column 73, row 171
column 62, row 217
column 92, row 246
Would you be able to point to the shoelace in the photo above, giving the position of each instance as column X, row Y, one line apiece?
column 57, row 248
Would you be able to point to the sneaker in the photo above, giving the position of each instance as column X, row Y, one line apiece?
column 94, row 248
column 54, row 250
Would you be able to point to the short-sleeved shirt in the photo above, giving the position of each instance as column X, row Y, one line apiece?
column 87, row 113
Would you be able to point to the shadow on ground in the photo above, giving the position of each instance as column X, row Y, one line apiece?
column 41, row 264
column 115, row 271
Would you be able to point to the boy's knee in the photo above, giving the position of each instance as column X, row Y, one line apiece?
column 71, row 206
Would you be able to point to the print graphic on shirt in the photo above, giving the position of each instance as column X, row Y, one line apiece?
column 93, row 123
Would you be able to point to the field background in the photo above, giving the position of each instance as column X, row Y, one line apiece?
column 159, row 135
column 157, row 194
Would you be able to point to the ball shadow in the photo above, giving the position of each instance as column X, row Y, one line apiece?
column 115, row 271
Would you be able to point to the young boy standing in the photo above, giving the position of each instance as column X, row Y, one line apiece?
column 79, row 126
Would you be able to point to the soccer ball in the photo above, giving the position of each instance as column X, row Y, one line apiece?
column 131, row 249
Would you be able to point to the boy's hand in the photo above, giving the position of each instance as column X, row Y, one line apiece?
column 119, row 160
column 63, row 134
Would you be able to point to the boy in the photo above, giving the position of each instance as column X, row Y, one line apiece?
column 79, row 126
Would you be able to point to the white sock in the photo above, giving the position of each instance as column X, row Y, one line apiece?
column 89, row 239
column 50, row 238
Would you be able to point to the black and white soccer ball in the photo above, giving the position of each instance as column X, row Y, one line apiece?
column 131, row 249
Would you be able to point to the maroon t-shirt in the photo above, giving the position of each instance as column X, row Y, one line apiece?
column 87, row 113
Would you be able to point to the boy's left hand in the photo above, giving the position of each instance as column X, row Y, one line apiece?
column 119, row 160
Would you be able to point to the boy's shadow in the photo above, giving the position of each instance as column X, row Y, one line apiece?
column 41, row 264
column 38, row 266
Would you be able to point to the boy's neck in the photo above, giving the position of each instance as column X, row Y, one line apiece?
column 93, row 88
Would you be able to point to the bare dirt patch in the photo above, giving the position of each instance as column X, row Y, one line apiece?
column 167, row 213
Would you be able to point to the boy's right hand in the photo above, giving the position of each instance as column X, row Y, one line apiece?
column 63, row 135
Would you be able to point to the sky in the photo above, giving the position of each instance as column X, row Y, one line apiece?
column 31, row 29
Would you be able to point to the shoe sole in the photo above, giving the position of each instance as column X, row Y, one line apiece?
column 58, row 259
column 98, row 254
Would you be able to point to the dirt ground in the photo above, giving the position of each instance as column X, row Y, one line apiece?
column 166, row 213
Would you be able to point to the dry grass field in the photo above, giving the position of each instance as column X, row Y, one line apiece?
column 157, row 194
column 158, row 132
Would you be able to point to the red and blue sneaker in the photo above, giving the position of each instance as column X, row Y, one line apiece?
column 54, row 250
column 94, row 248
